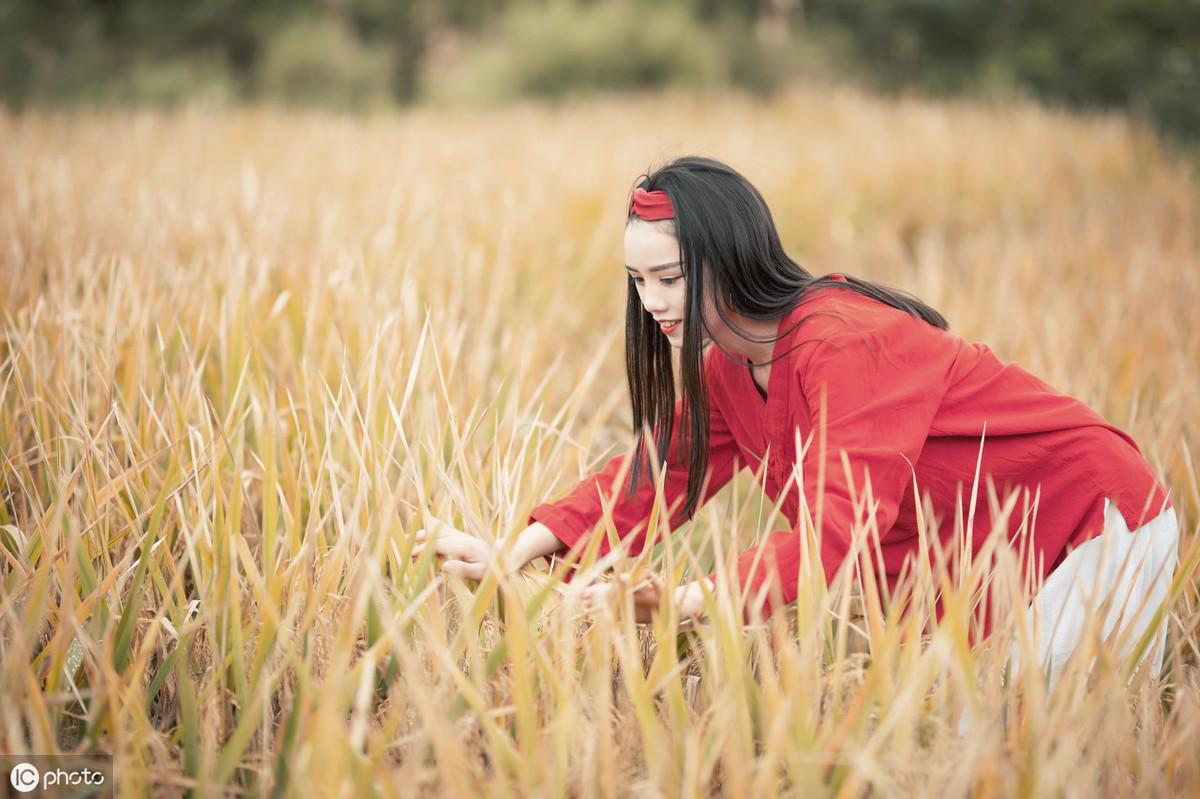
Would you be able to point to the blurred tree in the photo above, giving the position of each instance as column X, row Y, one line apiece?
column 404, row 25
column 1142, row 55
column 235, row 30
column 316, row 59
column 564, row 47
column 407, row 27
column 30, row 34
column 70, row 49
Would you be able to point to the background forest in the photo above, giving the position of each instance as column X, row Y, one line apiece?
column 1139, row 55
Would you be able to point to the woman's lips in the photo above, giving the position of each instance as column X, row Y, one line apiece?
column 669, row 327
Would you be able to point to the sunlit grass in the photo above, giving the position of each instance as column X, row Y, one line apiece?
column 246, row 355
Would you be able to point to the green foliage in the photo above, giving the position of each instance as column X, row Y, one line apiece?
column 557, row 49
column 43, row 54
column 1141, row 55
column 318, row 61
column 133, row 50
column 168, row 82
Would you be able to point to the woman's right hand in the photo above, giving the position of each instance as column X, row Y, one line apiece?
column 462, row 555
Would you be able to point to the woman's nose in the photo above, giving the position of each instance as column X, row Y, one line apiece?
column 653, row 300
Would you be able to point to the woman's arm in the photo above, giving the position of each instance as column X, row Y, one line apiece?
column 566, row 523
column 534, row 542
column 470, row 556
column 573, row 518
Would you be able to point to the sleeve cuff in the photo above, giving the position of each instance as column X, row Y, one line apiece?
column 567, row 529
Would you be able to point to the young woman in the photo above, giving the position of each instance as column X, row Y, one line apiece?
column 770, row 356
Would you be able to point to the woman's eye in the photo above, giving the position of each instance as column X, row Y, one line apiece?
column 639, row 280
column 671, row 281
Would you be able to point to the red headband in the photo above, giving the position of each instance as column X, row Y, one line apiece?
column 651, row 205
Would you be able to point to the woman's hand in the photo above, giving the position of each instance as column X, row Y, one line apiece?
column 647, row 595
column 463, row 555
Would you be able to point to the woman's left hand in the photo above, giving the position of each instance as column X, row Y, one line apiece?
column 647, row 597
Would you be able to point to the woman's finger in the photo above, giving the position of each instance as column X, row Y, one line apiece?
column 596, row 596
column 455, row 549
column 436, row 529
column 646, row 595
column 459, row 568
column 438, row 539
column 440, row 549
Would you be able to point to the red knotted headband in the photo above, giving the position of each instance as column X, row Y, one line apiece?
column 651, row 205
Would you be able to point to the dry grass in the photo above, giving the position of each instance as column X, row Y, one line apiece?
column 245, row 355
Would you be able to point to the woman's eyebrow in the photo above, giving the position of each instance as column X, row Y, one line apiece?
column 658, row 268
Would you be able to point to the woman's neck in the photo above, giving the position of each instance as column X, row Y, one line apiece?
column 757, row 352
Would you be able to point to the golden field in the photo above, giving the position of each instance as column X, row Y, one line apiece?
column 247, row 354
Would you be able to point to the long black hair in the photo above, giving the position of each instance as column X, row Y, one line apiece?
column 727, row 238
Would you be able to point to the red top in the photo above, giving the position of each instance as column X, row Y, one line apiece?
column 904, row 400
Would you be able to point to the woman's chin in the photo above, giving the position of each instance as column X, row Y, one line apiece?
column 676, row 341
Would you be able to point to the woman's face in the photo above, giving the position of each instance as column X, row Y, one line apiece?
column 652, row 261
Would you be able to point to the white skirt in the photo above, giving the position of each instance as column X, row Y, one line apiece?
column 1129, row 573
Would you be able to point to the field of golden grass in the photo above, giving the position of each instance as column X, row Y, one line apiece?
column 245, row 355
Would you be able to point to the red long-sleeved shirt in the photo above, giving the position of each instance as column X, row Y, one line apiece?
column 903, row 400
